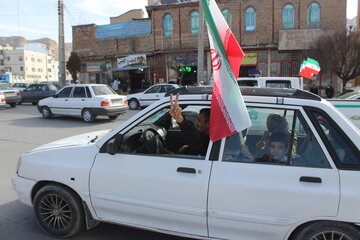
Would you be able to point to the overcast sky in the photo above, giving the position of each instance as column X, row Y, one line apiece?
column 35, row 19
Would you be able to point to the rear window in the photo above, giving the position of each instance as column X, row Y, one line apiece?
column 247, row 83
column 278, row 84
column 102, row 90
column 5, row 87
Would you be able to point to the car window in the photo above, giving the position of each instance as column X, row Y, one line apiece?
column 154, row 89
column 79, row 92
column 343, row 148
column 159, row 134
column 31, row 88
column 102, row 90
column 5, row 87
column 65, row 93
column 248, row 83
column 53, row 87
column 88, row 94
column 166, row 88
column 278, row 84
column 349, row 95
column 277, row 136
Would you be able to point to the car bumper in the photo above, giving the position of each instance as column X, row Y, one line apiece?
column 23, row 188
column 15, row 99
column 110, row 111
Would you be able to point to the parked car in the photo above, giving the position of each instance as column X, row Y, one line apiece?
column 353, row 95
column 20, row 86
column 84, row 100
column 2, row 101
column 150, row 95
column 136, row 175
column 12, row 96
column 273, row 82
column 36, row 92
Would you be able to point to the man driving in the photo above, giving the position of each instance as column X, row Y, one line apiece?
column 199, row 141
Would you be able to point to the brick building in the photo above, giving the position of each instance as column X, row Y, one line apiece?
column 272, row 33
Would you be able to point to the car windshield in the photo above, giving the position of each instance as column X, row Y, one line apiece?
column 349, row 95
column 102, row 90
column 22, row 85
column 5, row 87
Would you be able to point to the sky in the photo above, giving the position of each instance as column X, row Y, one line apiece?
column 34, row 19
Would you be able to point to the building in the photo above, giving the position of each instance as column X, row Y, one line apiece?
column 31, row 63
column 273, row 35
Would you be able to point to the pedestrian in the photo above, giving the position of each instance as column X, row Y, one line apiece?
column 115, row 84
column 314, row 89
column 329, row 91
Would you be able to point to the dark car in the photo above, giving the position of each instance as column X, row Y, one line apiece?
column 36, row 92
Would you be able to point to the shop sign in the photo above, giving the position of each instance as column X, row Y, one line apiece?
column 249, row 59
column 131, row 60
column 94, row 67
column 298, row 39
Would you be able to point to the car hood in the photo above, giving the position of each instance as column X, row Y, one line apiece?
column 78, row 140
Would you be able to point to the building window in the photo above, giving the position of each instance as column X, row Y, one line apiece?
column 168, row 25
column 8, row 69
column 20, row 58
column 33, row 69
column 250, row 19
column 33, row 59
column 7, row 58
column 194, row 22
column 1, row 62
column 314, row 15
column 227, row 15
column 21, row 68
column 288, row 16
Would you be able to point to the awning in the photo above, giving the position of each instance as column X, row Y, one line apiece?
column 132, row 67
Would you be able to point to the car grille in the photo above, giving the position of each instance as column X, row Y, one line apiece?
column 117, row 101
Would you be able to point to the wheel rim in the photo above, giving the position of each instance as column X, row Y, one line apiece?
column 45, row 112
column 55, row 212
column 87, row 116
column 133, row 104
column 330, row 235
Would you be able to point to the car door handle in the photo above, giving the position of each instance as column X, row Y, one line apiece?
column 310, row 179
column 66, row 100
column 83, row 100
column 186, row 170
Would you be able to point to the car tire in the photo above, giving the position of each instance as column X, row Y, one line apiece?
column 34, row 103
column 59, row 211
column 88, row 116
column 46, row 112
column 134, row 104
column 12, row 105
column 113, row 117
column 327, row 230
column 19, row 103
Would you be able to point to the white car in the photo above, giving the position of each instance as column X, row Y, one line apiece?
column 21, row 86
column 137, row 175
column 150, row 95
column 84, row 100
column 12, row 96
column 2, row 101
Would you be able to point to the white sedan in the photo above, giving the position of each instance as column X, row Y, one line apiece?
column 2, row 101
column 137, row 174
column 150, row 95
column 84, row 100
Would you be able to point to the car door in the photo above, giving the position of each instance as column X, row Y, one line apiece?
column 26, row 95
column 253, row 196
column 77, row 101
column 150, row 96
column 59, row 103
column 161, row 191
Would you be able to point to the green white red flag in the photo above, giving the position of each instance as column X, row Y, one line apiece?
column 228, row 111
column 309, row 68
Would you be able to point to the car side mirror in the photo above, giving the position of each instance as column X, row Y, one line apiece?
column 55, row 96
column 112, row 146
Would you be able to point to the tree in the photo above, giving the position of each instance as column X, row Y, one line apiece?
column 339, row 52
column 73, row 65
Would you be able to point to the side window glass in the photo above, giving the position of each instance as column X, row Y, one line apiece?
column 154, row 89
column 88, row 94
column 277, row 136
column 65, row 93
column 159, row 134
column 278, row 84
column 79, row 92
column 346, row 153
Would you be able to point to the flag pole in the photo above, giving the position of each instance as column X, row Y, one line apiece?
column 200, row 62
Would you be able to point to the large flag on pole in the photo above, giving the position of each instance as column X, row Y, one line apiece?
column 228, row 111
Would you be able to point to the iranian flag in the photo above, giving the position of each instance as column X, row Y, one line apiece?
column 309, row 68
column 228, row 111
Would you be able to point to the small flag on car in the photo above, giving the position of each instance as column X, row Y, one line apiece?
column 228, row 111
column 309, row 68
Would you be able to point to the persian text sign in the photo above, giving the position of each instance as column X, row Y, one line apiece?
column 131, row 60
column 249, row 59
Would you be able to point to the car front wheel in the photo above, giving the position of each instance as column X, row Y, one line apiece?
column 328, row 231
column 88, row 116
column 134, row 104
column 46, row 112
column 58, row 211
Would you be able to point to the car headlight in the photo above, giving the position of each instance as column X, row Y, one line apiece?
column 18, row 165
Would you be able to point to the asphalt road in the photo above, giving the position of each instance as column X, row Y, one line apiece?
column 22, row 129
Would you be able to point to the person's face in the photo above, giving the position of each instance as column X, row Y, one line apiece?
column 202, row 124
column 277, row 149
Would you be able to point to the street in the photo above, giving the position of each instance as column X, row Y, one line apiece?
column 22, row 129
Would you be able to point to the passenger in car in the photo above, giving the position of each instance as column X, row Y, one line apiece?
column 198, row 143
column 278, row 146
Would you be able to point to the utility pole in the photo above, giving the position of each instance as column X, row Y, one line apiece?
column 200, row 64
column 61, row 44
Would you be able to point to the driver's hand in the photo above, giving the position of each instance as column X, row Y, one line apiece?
column 175, row 109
